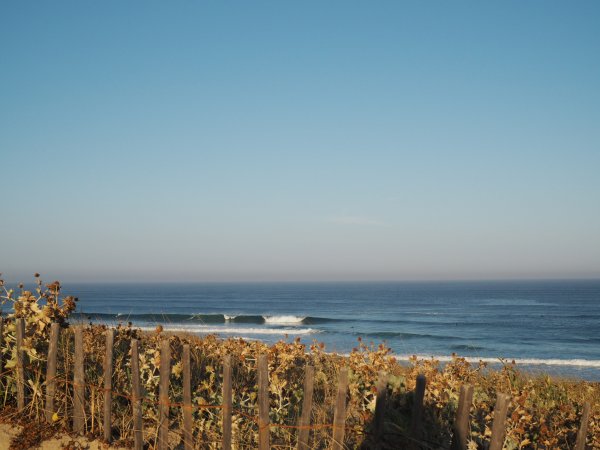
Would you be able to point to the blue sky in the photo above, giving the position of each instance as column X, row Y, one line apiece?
column 210, row 141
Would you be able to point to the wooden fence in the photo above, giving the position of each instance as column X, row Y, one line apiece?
column 416, row 435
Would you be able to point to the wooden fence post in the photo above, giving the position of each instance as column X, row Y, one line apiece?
column 20, row 365
column 380, row 405
column 78, row 383
column 51, row 370
column 165, row 372
column 227, row 406
column 416, row 423
column 582, row 433
column 460, row 437
column 136, row 385
column 263, row 403
column 108, row 372
column 498, row 427
column 339, row 415
column 1, row 343
column 188, row 436
column 304, row 421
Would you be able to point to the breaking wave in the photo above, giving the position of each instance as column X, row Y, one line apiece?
column 283, row 319
column 523, row 361
column 200, row 329
column 208, row 318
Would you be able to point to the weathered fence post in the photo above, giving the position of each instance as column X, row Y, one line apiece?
column 20, row 365
column 582, row 433
column 165, row 371
column 380, row 405
column 498, row 427
column 188, row 436
column 51, row 370
column 227, row 402
column 339, row 415
column 136, row 397
column 1, row 342
column 416, row 423
column 461, row 424
column 108, row 372
column 263, row 403
column 78, row 383
column 304, row 421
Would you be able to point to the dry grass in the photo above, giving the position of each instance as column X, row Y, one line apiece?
column 544, row 414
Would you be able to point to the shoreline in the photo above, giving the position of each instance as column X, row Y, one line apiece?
column 554, row 367
column 530, row 367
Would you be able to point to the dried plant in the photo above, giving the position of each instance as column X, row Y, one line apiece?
column 544, row 414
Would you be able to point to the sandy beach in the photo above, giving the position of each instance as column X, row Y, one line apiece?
column 9, row 432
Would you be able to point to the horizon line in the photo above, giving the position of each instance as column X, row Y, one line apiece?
column 329, row 281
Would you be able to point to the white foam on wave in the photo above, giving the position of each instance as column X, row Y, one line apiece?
column 525, row 361
column 283, row 319
column 230, row 330
column 228, row 317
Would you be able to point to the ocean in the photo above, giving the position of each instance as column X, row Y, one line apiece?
column 551, row 327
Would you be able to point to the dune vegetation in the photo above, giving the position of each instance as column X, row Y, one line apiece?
column 544, row 412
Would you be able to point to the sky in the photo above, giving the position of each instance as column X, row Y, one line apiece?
column 338, row 140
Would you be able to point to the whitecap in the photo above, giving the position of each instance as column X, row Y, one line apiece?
column 523, row 361
column 202, row 329
column 283, row 319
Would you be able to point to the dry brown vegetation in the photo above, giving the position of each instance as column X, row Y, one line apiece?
column 544, row 412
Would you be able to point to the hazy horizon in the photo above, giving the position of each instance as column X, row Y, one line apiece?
column 299, row 142
column 28, row 281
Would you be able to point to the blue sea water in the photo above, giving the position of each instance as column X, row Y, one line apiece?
column 547, row 326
